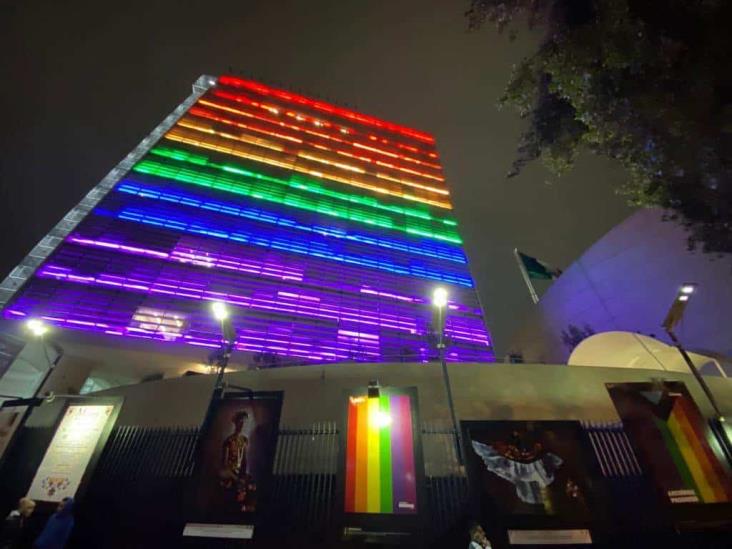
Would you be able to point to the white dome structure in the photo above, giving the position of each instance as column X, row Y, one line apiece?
column 629, row 350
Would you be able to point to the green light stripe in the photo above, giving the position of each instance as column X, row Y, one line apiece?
column 676, row 457
column 300, row 183
column 385, row 458
column 282, row 196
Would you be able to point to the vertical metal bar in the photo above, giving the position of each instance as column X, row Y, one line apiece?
column 333, row 456
column 319, row 466
column 631, row 452
column 598, row 454
column 287, row 444
column 167, row 444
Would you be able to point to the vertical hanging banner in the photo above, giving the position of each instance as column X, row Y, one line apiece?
column 10, row 420
column 382, row 469
column 77, row 442
column 234, row 465
column 674, row 441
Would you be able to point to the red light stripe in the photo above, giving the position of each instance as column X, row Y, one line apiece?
column 325, row 107
column 244, row 100
column 204, row 113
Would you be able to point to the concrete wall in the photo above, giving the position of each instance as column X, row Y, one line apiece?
column 627, row 281
column 480, row 391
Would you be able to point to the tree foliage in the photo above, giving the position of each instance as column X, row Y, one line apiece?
column 645, row 82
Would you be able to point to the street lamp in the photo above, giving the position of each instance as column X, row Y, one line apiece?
column 439, row 301
column 674, row 316
column 219, row 310
column 36, row 327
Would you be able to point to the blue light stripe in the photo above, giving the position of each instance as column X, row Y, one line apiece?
column 448, row 253
column 308, row 246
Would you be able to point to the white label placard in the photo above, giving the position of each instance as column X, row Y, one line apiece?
column 231, row 531
column 549, row 537
column 69, row 453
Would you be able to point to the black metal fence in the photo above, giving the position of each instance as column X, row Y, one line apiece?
column 140, row 485
column 143, row 472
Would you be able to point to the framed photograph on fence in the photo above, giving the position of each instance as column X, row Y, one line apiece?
column 233, row 471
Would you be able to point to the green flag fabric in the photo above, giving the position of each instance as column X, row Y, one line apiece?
column 538, row 269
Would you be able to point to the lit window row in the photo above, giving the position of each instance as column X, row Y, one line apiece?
column 243, row 147
column 273, row 193
column 373, row 143
column 327, row 108
column 432, row 251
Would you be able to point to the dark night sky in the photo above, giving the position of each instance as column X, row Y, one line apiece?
column 84, row 81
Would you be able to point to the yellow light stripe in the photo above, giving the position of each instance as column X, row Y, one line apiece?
column 183, row 135
column 702, row 483
column 373, row 497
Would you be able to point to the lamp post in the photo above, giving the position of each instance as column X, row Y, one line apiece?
column 220, row 357
column 674, row 316
column 439, row 301
column 38, row 330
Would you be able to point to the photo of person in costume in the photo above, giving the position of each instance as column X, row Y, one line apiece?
column 234, row 475
column 236, row 458
column 531, row 468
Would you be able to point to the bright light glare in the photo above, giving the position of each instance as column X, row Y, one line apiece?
column 439, row 297
column 219, row 310
column 683, row 298
column 36, row 327
column 687, row 289
column 382, row 419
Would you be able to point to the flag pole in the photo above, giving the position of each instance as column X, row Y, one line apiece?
column 525, row 274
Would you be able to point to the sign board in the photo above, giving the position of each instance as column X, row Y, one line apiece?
column 549, row 537
column 226, row 531
column 72, row 448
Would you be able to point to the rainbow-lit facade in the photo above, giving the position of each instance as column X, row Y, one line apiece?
column 324, row 230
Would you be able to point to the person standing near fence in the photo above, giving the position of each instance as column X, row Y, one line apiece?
column 478, row 539
column 58, row 528
column 15, row 525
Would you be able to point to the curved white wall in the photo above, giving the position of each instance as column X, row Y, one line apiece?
column 626, row 281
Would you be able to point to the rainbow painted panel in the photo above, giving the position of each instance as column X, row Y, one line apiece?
column 685, row 436
column 380, row 473
column 325, row 231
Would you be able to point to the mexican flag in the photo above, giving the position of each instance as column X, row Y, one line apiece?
column 537, row 269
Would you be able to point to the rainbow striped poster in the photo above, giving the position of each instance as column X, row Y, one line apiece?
column 675, row 442
column 380, row 467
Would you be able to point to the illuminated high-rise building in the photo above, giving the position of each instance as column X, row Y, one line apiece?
column 324, row 230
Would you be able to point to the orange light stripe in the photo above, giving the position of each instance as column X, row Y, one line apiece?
column 247, row 101
column 260, row 142
column 204, row 113
column 180, row 135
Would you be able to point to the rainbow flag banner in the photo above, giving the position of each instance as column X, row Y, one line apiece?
column 380, row 468
column 674, row 441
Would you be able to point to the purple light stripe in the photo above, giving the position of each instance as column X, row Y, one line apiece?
column 329, row 313
column 211, row 261
column 358, row 354
column 321, row 311
column 404, row 483
column 189, row 257
column 212, row 342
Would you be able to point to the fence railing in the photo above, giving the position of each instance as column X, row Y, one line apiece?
column 306, row 466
